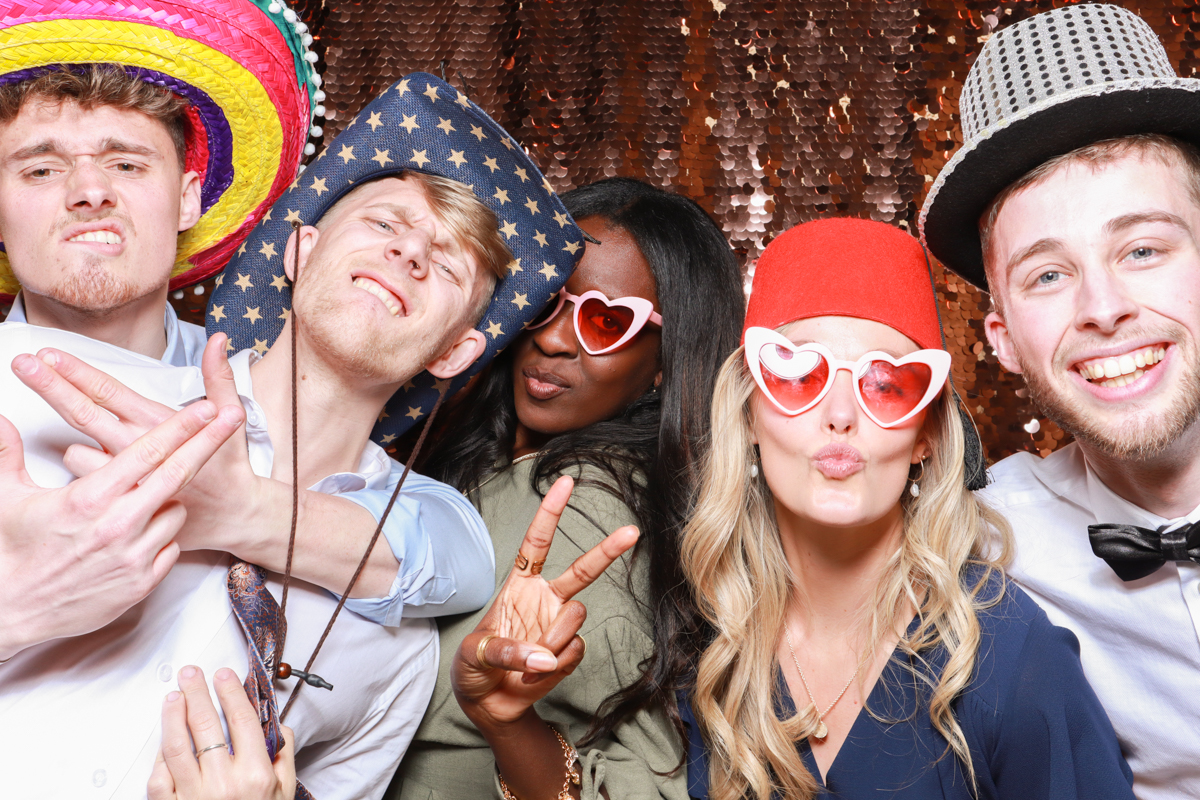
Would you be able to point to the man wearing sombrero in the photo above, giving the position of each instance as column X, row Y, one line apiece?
column 123, row 180
column 393, row 240
column 1075, row 201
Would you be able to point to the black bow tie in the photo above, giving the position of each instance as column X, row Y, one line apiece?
column 1135, row 552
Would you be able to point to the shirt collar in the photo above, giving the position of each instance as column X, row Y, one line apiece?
column 175, row 354
column 1068, row 474
column 374, row 466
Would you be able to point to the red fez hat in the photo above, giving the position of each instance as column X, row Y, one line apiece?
column 846, row 268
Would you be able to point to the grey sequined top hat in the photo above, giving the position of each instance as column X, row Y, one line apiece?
column 1041, row 88
column 422, row 124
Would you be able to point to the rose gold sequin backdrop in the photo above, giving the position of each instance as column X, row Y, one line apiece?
column 766, row 113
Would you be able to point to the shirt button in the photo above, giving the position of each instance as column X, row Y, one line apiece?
column 165, row 672
column 99, row 778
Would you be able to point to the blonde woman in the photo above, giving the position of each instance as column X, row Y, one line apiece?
column 863, row 641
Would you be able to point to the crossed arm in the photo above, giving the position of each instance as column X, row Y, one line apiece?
column 75, row 558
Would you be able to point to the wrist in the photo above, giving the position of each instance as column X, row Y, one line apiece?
column 263, row 517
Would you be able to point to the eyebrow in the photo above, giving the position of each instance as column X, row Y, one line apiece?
column 1036, row 249
column 1126, row 221
column 56, row 147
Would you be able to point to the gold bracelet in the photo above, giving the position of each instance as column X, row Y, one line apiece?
column 572, row 778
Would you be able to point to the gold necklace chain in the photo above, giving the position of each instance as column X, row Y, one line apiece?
column 822, row 729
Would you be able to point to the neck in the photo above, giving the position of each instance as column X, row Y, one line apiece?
column 528, row 441
column 837, row 570
column 1167, row 484
column 336, row 411
column 136, row 325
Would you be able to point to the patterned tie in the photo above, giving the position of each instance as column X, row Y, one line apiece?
column 258, row 614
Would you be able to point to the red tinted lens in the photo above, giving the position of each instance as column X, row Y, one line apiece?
column 602, row 325
column 890, row 392
column 546, row 313
column 794, row 379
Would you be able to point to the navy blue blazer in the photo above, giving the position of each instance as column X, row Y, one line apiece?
column 1033, row 725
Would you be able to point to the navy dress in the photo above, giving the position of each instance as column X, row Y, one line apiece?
column 1032, row 723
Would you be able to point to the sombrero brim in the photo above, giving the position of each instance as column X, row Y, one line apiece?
column 984, row 167
column 250, row 113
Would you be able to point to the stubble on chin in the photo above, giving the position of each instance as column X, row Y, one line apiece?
column 94, row 291
column 1136, row 436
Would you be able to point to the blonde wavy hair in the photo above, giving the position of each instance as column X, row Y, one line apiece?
column 742, row 585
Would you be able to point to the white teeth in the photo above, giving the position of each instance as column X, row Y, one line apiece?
column 103, row 237
column 1124, row 369
column 383, row 294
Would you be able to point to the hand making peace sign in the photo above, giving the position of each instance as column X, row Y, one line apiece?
column 527, row 643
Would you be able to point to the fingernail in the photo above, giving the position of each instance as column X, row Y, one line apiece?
column 50, row 357
column 187, row 672
column 231, row 414
column 172, row 696
column 542, row 662
column 225, row 674
column 24, row 364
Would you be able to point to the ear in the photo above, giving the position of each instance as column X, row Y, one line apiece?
column 189, row 201
column 458, row 356
column 998, row 337
column 306, row 239
column 658, row 379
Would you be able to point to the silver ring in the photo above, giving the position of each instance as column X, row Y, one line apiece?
column 211, row 747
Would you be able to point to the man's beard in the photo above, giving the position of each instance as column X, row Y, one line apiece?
column 93, row 290
column 1137, row 437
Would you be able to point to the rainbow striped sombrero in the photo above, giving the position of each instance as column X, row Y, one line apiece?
column 245, row 68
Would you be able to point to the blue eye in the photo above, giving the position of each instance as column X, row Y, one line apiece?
column 1047, row 278
column 1142, row 252
column 384, row 226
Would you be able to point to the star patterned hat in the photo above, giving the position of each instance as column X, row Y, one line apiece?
column 244, row 67
column 419, row 124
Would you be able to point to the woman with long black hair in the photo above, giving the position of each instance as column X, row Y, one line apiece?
column 611, row 386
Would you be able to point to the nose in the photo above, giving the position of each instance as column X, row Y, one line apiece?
column 557, row 337
column 839, row 409
column 1103, row 302
column 410, row 249
column 89, row 188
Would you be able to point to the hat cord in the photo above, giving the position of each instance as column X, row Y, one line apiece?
column 282, row 630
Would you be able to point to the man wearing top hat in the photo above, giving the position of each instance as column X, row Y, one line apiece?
column 1075, row 201
column 112, row 191
column 406, row 268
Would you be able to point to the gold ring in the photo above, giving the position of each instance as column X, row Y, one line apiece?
column 536, row 569
column 479, row 656
column 211, row 747
column 580, row 635
column 522, row 560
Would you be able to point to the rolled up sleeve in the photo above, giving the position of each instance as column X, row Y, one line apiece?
column 447, row 563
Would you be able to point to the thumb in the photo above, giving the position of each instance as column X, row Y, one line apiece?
column 218, row 375
column 285, row 762
column 12, row 454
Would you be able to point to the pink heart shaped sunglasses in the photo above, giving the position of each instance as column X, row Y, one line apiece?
column 602, row 325
column 889, row 390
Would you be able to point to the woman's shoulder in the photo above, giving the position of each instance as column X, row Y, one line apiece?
column 1017, row 640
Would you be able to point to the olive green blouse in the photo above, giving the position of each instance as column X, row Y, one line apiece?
column 450, row 760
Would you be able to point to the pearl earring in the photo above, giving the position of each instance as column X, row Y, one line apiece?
column 754, row 470
column 915, row 488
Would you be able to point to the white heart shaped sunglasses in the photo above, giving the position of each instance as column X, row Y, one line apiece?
column 602, row 325
column 889, row 390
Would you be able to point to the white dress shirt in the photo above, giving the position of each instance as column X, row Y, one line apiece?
column 185, row 341
column 80, row 717
column 1139, row 641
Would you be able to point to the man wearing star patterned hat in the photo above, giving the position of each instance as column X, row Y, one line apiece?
column 392, row 271
column 120, row 180
column 1075, row 200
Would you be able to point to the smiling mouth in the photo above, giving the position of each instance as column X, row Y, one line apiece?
column 1117, row 371
column 393, row 304
column 100, row 237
